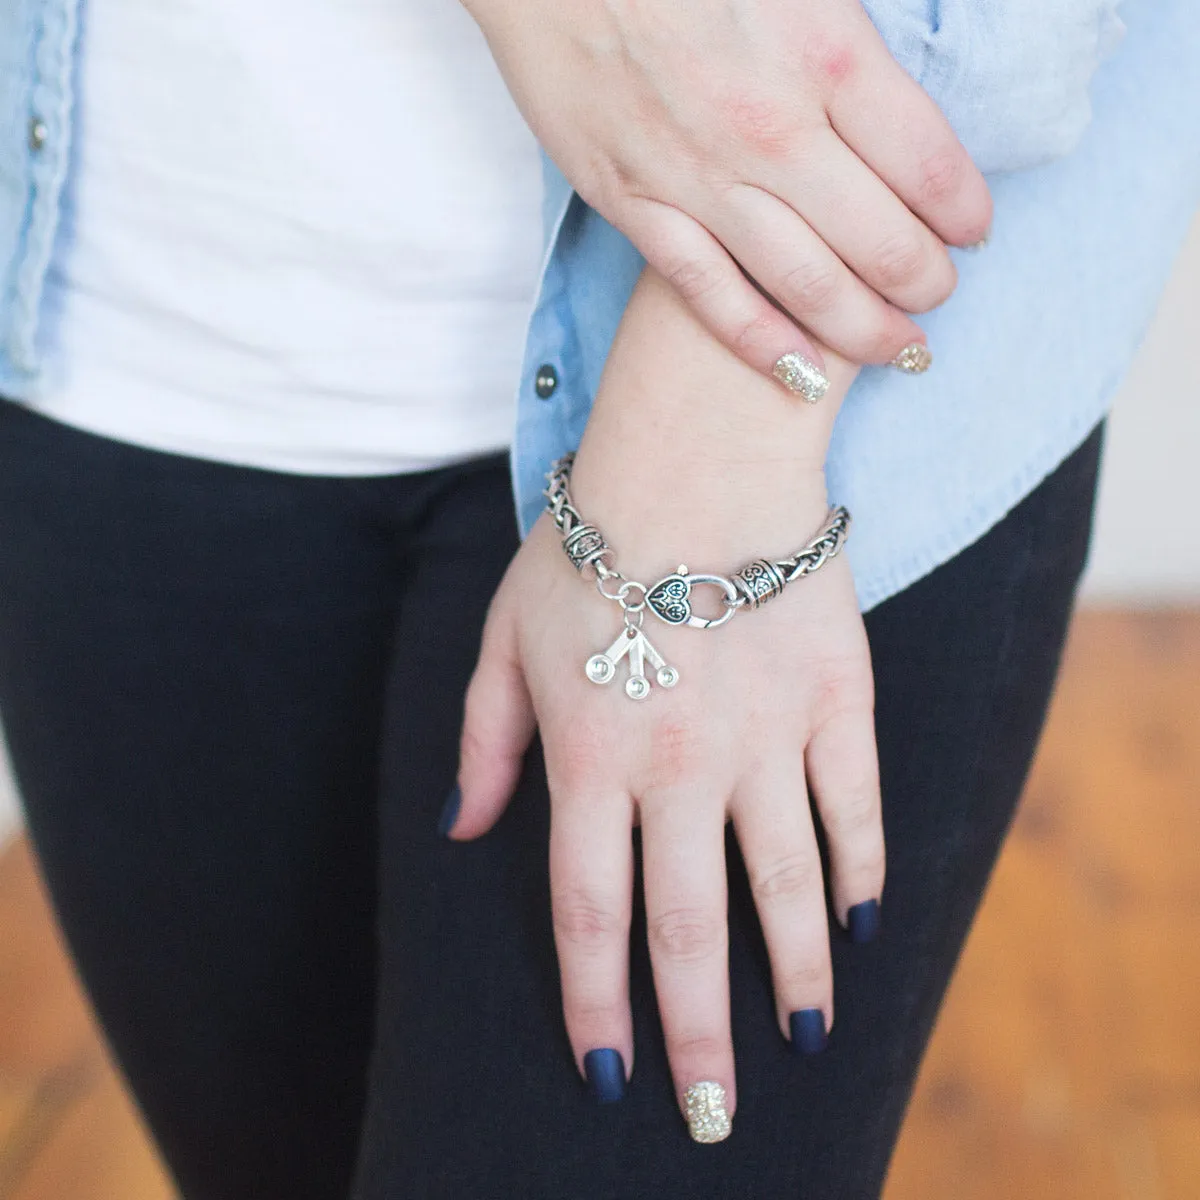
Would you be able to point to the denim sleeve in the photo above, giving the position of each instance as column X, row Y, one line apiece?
column 1011, row 76
column 1014, row 78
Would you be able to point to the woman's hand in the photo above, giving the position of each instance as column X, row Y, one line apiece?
column 779, row 135
column 689, row 456
column 758, row 701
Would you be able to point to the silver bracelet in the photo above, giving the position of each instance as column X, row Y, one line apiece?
column 670, row 598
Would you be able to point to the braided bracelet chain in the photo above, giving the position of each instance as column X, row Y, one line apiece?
column 670, row 598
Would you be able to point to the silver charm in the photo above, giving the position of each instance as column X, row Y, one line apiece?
column 631, row 641
column 670, row 599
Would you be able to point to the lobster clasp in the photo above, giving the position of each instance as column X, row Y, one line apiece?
column 670, row 599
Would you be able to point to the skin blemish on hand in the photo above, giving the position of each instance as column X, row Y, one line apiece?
column 762, row 124
column 828, row 62
column 766, row 123
column 836, row 64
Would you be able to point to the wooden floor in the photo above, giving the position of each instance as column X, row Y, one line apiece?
column 1066, row 1064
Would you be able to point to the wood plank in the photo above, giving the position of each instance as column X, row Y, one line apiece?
column 44, row 1022
column 1066, row 1063
column 66, row 1127
column 97, row 1151
column 15, row 1102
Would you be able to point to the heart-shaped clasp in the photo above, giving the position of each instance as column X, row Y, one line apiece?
column 670, row 599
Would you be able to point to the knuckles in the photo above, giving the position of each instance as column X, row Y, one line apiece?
column 850, row 817
column 922, row 278
column 899, row 263
column 812, row 286
column 698, row 279
column 584, row 923
column 677, row 750
column 942, row 174
column 764, row 126
column 679, row 753
column 795, row 877
column 582, row 754
column 840, row 687
column 686, row 935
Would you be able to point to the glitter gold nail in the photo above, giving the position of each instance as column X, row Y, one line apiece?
column 707, row 1116
column 802, row 376
column 913, row 360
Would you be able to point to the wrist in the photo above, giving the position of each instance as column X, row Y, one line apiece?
column 750, row 584
column 709, row 522
column 689, row 455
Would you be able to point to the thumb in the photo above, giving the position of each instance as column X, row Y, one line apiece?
column 498, row 726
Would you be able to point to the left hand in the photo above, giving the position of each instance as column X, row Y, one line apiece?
column 777, row 141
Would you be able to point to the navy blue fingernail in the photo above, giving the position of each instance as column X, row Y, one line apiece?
column 605, row 1075
column 450, row 811
column 808, row 1031
column 862, row 921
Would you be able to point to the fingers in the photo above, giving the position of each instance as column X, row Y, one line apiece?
column 683, row 853
column 498, row 725
column 591, row 883
column 723, row 299
column 868, row 226
column 775, row 832
column 891, row 123
column 784, row 254
column 843, row 772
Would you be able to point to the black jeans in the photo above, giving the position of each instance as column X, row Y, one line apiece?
column 232, row 698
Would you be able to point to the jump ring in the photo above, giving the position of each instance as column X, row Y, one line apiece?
column 623, row 591
column 601, row 580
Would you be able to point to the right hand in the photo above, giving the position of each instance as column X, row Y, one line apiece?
column 778, row 136
column 687, row 452
column 772, row 697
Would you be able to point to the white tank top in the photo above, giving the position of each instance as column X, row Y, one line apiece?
column 300, row 234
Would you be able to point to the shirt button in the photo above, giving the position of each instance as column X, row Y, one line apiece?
column 546, row 381
column 38, row 133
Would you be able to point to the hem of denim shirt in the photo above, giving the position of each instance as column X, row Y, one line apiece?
column 16, row 384
column 520, row 414
column 874, row 589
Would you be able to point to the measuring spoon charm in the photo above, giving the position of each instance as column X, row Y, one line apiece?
column 631, row 641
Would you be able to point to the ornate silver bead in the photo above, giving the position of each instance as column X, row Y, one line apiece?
column 584, row 545
column 759, row 581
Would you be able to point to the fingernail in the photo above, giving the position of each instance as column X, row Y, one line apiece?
column 862, row 921
column 981, row 244
column 808, row 1031
column 707, row 1116
column 450, row 811
column 802, row 376
column 605, row 1070
column 915, row 359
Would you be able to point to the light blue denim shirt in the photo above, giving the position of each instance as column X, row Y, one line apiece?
column 1091, row 141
